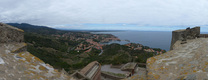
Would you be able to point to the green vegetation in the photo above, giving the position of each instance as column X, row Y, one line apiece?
column 115, row 54
column 54, row 59
column 46, row 41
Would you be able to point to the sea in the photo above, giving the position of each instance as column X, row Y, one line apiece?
column 153, row 39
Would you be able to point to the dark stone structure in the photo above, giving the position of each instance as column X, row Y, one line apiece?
column 183, row 35
column 10, row 34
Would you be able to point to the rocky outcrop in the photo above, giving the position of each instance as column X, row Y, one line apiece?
column 18, row 64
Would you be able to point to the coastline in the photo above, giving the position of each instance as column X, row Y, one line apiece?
column 153, row 39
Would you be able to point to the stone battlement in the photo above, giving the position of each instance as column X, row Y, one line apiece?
column 183, row 35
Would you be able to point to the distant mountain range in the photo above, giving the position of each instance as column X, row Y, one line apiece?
column 47, row 30
column 34, row 28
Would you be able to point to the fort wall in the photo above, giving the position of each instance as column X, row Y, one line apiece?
column 183, row 35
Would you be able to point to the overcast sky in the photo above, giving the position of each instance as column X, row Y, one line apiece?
column 118, row 14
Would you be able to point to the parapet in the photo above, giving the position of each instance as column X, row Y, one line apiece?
column 183, row 35
column 10, row 34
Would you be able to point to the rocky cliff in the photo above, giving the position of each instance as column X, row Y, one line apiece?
column 18, row 64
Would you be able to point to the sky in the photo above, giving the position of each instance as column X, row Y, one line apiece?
column 164, row 15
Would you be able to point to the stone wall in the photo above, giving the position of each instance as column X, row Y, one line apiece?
column 183, row 35
column 10, row 34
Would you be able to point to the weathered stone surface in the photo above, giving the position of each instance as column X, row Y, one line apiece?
column 185, row 61
column 10, row 34
column 25, row 66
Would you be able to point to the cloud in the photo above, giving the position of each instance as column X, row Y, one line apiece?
column 141, row 12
